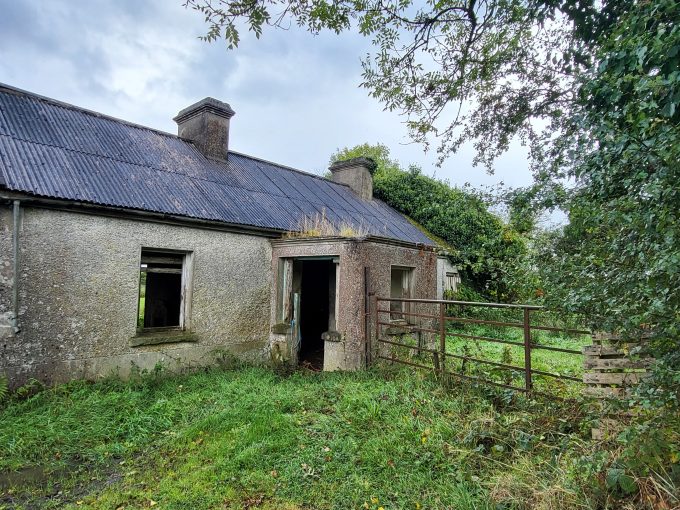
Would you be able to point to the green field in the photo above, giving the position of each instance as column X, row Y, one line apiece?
column 387, row 438
column 140, row 318
column 558, row 363
column 565, row 364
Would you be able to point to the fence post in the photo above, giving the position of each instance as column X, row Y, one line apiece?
column 527, row 350
column 442, row 335
column 367, row 318
column 377, row 325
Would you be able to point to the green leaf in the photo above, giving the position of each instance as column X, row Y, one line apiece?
column 627, row 484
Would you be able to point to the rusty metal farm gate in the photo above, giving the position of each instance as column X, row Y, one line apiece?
column 518, row 347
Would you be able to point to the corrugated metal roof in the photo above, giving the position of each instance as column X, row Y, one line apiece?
column 60, row 151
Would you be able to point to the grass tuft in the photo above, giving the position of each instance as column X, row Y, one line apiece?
column 319, row 225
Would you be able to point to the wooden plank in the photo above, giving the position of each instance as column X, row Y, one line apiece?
column 170, row 259
column 602, row 350
column 602, row 336
column 604, row 392
column 619, row 379
column 163, row 270
column 596, row 363
column 187, row 291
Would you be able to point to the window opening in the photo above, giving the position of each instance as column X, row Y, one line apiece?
column 452, row 282
column 400, row 288
column 161, row 290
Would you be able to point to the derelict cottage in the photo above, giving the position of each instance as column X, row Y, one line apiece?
column 122, row 247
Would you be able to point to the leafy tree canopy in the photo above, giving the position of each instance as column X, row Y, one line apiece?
column 619, row 258
column 459, row 70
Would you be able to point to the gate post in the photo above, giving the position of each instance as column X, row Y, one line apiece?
column 527, row 351
column 442, row 336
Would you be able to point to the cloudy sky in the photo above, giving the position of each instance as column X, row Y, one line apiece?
column 296, row 96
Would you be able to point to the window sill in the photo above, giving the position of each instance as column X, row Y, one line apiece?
column 162, row 337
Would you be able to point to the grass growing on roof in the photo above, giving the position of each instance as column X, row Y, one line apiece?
column 318, row 225
column 388, row 438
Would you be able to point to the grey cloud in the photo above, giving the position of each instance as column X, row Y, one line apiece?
column 295, row 94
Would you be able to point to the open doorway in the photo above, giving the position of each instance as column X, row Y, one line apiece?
column 317, row 309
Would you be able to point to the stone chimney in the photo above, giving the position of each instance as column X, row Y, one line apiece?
column 357, row 173
column 206, row 124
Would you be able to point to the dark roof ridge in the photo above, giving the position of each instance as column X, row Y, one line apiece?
column 70, row 106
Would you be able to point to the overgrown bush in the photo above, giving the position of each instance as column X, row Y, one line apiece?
column 487, row 250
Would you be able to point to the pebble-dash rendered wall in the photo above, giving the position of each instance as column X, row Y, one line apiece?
column 78, row 290
column 6, row 274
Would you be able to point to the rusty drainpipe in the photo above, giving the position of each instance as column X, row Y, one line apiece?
column 15, row 268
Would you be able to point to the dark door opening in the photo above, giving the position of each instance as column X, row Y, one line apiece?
column 317, row 296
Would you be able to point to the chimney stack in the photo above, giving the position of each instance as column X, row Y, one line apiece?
column 206, row 124
column 357, row 173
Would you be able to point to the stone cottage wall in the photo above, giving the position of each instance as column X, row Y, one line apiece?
column 381, row 258
column 78, row 296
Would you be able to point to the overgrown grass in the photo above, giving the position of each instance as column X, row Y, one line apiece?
column 248, row 438
column 318, row 225
column 554, row 362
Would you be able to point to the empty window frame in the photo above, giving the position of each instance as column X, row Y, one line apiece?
column 164, row 279
column 451, row 282
column 401, row 283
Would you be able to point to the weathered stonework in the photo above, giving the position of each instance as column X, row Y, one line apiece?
column 78, row 291
column 355, row 173
column 206, row 124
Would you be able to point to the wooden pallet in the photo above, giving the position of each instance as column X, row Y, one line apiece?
column 612, row 372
